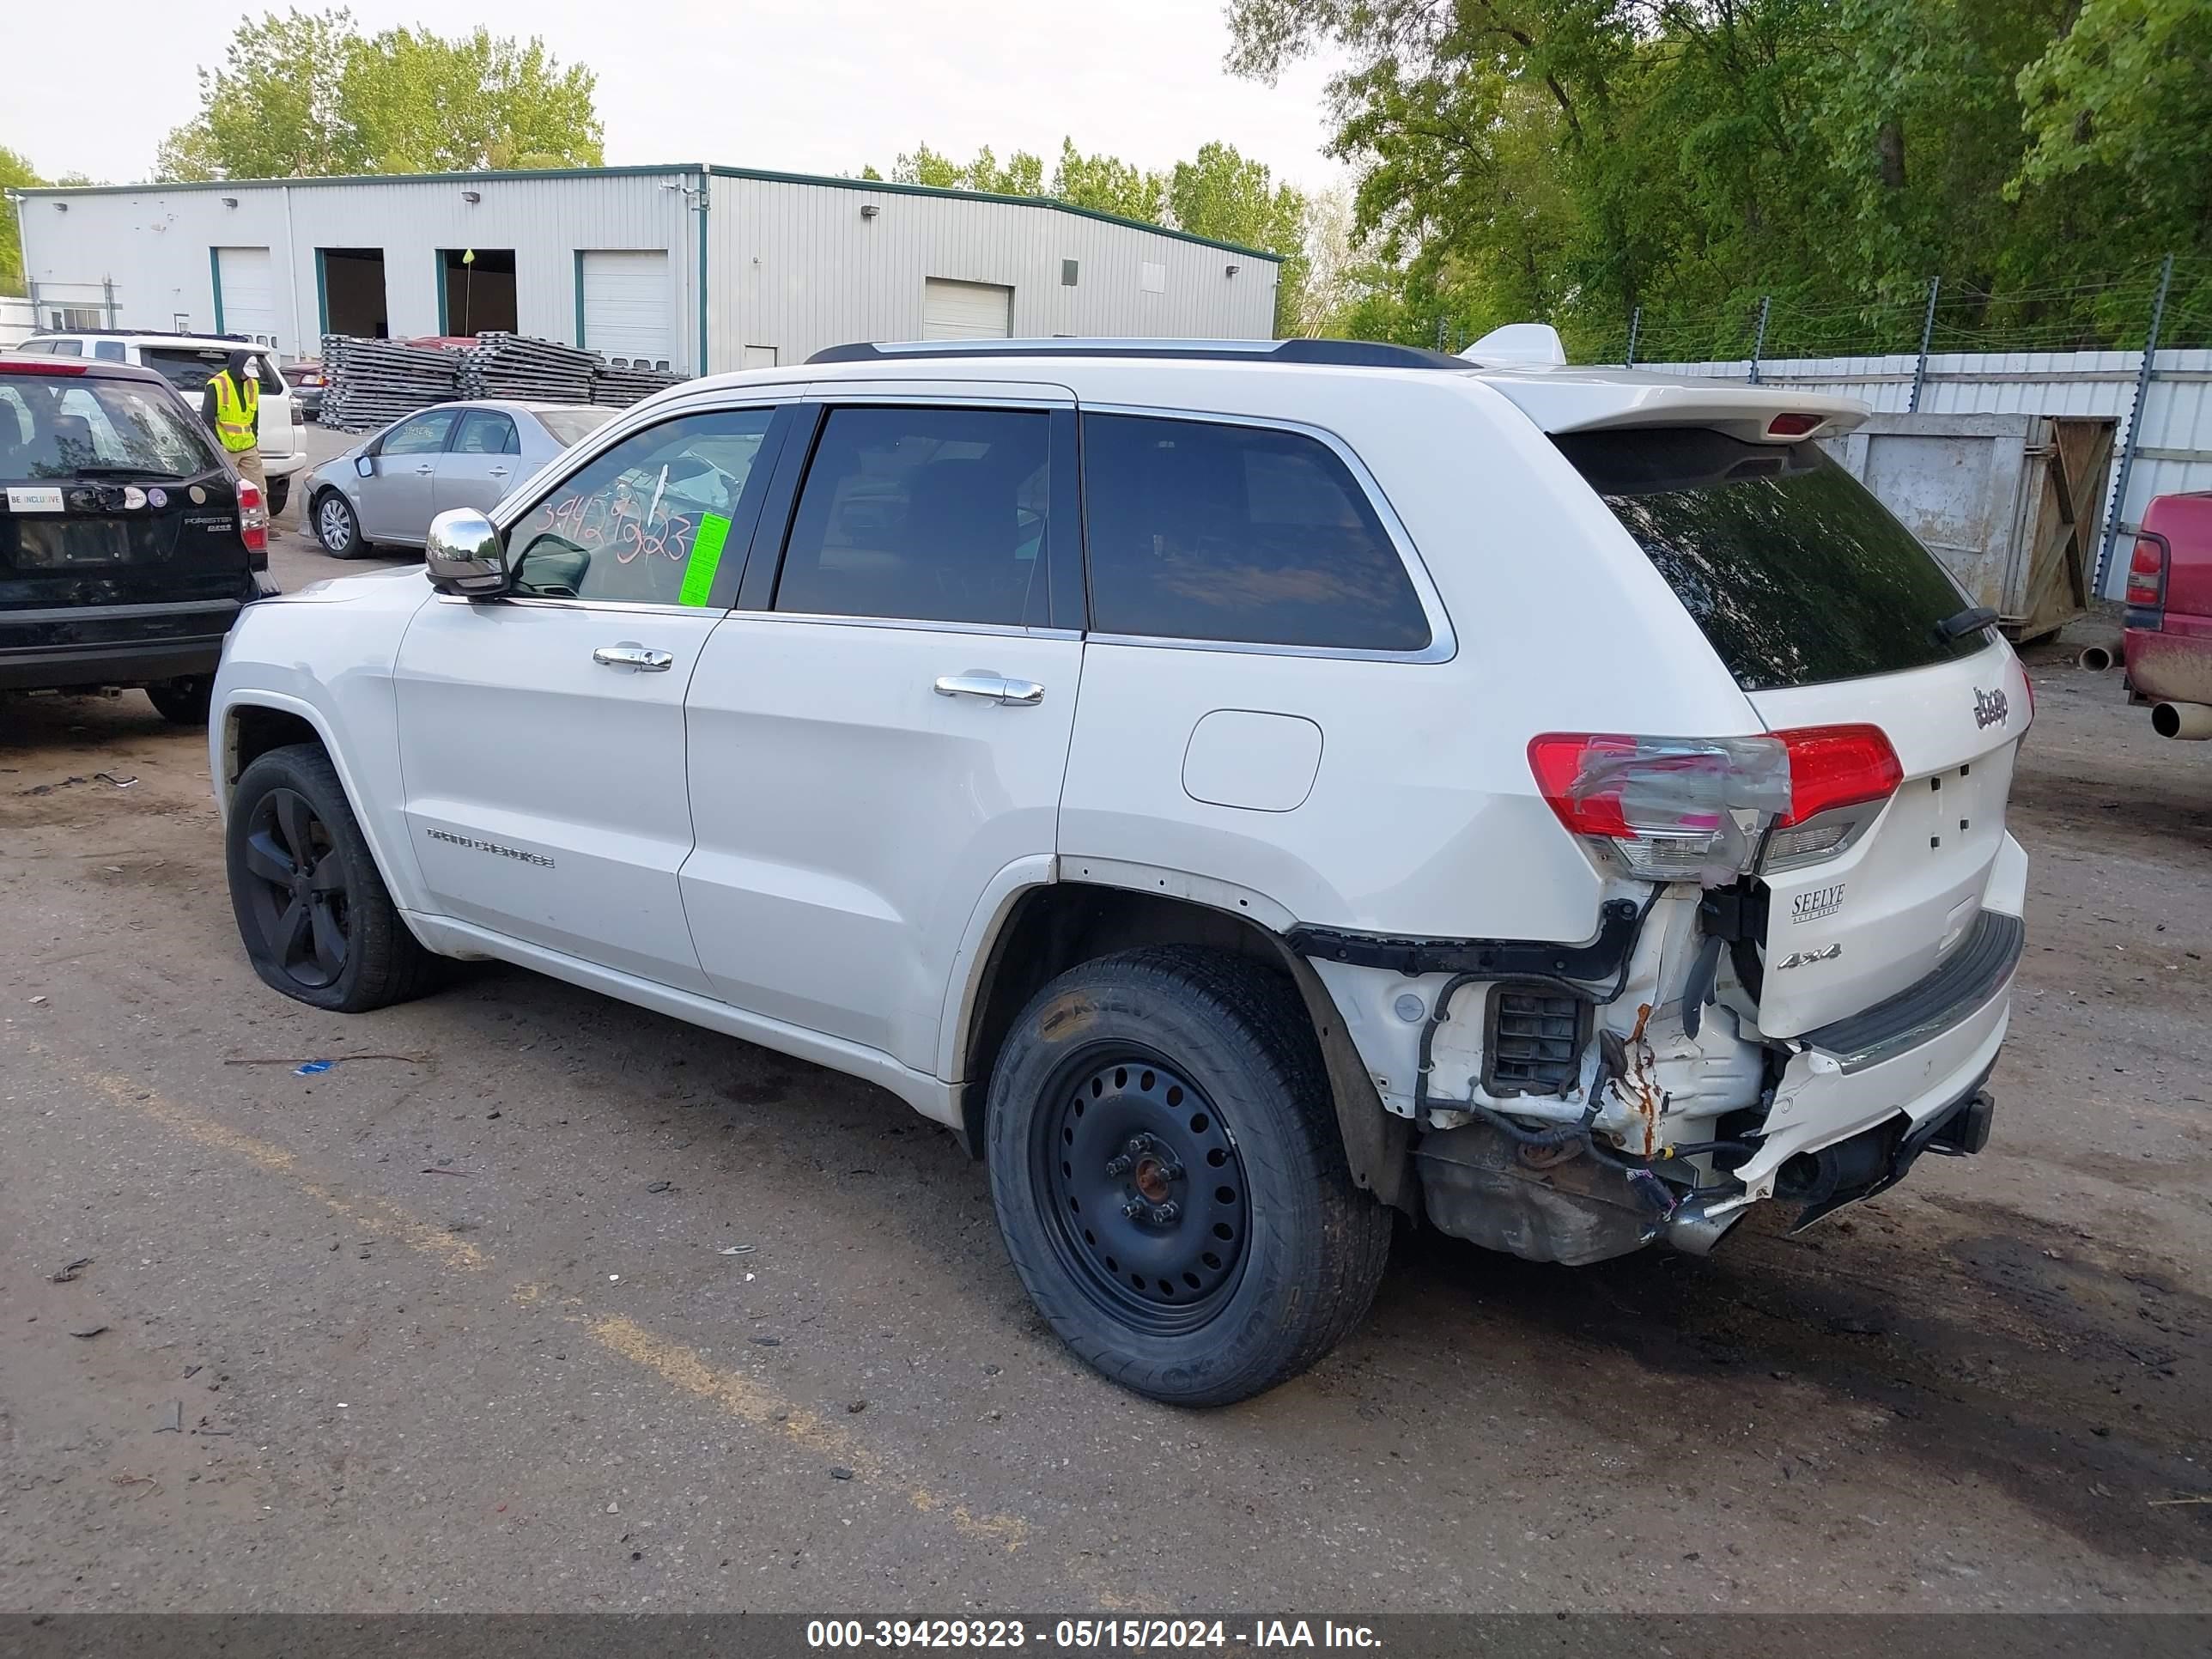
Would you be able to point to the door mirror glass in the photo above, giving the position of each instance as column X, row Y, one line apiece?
column 465, row 554
column 364, row 465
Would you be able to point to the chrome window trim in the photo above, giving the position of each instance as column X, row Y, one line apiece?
column 547, row 602
column 1444, row 641
column 995, row 630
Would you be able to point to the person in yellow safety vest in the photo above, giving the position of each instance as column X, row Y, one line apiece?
column 232, row 406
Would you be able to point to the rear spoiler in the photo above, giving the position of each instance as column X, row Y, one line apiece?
column 1593, row 399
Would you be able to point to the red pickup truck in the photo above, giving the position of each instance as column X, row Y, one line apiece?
column 2168, row 648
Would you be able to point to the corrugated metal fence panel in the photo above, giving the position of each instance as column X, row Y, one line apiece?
column 798, row 266
column 2177, row 418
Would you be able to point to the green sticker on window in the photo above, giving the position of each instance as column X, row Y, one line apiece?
column 705, row 559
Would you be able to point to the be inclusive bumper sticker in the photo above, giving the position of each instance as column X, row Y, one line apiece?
column 35, row 498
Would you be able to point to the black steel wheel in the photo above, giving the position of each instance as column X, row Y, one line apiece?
column 312, row 911
column 1146, row 1190
column 1170, row 1179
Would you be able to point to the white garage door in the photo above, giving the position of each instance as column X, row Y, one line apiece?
column 965, row 311
column 630, row 306
column 245, row 299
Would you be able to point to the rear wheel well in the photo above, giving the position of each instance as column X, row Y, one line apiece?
column 252, row 730
column 1055, row 926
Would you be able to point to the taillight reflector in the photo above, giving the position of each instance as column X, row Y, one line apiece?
column 1792, row 426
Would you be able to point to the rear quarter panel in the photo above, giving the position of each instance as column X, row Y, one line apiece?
column 1424, row 817
column 2173, row 662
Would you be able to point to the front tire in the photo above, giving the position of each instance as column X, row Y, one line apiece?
column 1170, row 1180
column 337, row 527
column 312, row 911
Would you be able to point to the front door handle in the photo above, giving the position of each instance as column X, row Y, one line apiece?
column 992, row 688
column 498, row 473
column 424, row 471
column 643, row 658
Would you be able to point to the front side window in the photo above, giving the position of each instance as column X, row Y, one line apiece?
column 108, row 350
column 1243, row 535
column 68, row 347
column 925, row 515
column 419, row 434
column 648, row 521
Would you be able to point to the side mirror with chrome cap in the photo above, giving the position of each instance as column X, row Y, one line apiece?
column 465, row 555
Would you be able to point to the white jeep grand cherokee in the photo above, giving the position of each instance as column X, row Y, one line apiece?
column 1243, row 789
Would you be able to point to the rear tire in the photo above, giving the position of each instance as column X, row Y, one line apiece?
column 1222, row 1248
column 336, row 526
column 183, row 701
column 312, row 911
column 280, row 492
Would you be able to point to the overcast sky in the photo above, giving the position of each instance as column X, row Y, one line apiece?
column 808, row 86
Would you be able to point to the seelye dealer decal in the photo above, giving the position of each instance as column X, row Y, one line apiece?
column 1990, row 707
column 1818, row 902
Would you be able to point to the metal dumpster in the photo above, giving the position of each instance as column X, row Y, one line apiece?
column 2011, row 503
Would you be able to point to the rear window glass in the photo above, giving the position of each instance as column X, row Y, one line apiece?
column 51, row 428
column 1795, row 573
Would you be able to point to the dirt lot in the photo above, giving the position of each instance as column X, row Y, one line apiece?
column 454, row 1325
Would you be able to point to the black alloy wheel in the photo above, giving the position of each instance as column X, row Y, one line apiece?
column 1148, row 1210
column 296, row 893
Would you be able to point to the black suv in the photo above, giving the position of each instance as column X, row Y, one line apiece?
column 128, row 546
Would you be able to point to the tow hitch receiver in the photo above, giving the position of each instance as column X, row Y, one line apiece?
column 1876, row 1159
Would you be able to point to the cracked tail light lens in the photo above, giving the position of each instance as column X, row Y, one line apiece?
column 1694, row 809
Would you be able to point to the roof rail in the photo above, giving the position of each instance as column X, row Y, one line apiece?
column 146, row 333
column 1331, row 354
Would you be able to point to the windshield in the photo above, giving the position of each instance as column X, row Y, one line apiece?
column 574, row 425
column 1795, row 573
column 56, row 428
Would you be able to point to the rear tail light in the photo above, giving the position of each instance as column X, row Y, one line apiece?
column 254, row 523
column 39, row 365
column 2147, row 572
column 1697, row 809
column 1792, row 426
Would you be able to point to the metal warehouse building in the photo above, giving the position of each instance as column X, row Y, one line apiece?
column 699, row 269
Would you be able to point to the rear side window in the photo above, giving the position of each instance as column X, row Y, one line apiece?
column 1246, row 535
column 923, row 514
column 486, row 432
column 1796, row 573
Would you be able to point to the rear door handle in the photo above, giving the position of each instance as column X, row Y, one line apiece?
column 992, row 688
column 643, row 658
column 498, row 473
column 424, row 471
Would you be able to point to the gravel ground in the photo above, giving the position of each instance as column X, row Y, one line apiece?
column 456, row 1324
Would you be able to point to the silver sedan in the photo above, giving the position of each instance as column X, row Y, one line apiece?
column 387, row 488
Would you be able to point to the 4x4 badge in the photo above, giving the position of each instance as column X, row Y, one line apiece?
column 1990, row 707
column 1806, row 959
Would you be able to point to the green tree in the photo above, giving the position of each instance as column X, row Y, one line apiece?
column 309, row 96
column 15, row 173
column 1573, row 160
column 1107, row 184
column 1223, row 195
column 1022, row 175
